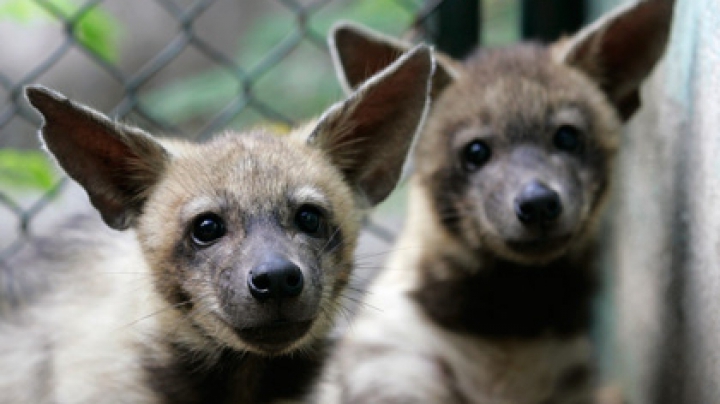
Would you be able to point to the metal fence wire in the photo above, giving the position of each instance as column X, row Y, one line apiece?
column 71, row 36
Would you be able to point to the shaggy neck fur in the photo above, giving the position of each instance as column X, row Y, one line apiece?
column 231, row 376
column 503, row 299
column 483, row 294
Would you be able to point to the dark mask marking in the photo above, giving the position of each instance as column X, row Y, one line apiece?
column 236, row 377
column 505, row 299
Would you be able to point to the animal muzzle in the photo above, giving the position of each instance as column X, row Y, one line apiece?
column 270, row 302
column 275, row 277
column 537, row 205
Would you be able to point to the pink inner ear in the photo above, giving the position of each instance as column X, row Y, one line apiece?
column 623, row 50
column 382, row 112
column 369, row 135
column 363, row 57
column 116, row 165
column 634, row 41
column 100, row 163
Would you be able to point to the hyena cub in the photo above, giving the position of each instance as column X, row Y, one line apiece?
column 237, row 253
column 487, row 297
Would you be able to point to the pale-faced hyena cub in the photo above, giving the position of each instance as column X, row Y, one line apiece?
column 238, row 253
column 487, row 296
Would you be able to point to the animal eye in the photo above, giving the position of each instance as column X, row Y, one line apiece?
column 207, row 228
column 475, row 154
column 309, row 219
column 567, row 138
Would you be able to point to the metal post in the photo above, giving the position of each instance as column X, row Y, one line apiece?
column 458, row 26
column 547, row 20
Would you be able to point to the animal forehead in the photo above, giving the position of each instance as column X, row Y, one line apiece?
column 511, row 107
column 522, row 60
column 264, row 154
column 508, row 87
column 253, row 168
column 510, row 97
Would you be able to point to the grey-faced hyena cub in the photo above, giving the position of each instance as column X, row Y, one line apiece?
column 487, row 296
column 237, row 255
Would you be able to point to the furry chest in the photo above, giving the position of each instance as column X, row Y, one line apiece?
column 517, row 372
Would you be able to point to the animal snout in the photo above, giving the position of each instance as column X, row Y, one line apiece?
column 275, row 278
column 537, row 204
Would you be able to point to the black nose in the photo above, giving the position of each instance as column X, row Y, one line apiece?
column 537, row 204
column 275, row 277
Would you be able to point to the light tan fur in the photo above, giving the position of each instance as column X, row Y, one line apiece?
column 393, row 353
column 476, row 306
column 152, row 315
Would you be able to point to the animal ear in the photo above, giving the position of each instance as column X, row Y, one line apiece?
column 620, row 50
column 369, row 135
column 116, row 164
column 359, row 53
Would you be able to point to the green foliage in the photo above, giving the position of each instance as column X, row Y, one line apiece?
column 95, row 29
column 501, row 22
column 20, row 10
column 299, row 86
column 26, row 170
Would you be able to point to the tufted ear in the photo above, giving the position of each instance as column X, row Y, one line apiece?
column 359, row 53
column 116, row 164
column 369, row 135
column 620, row 50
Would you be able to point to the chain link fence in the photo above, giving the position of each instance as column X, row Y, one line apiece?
column 176, row 67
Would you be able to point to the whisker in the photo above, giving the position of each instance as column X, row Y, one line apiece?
column 364, row 304
column 329, row 241
column 164, row 309
column 386, row 252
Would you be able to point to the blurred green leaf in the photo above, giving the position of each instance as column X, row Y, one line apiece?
column 501, row 23
column 26, row 170
column 99, row 32
column 23, row 11
column 96, row 29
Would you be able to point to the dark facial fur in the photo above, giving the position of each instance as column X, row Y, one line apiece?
column 516, row 102
column 525, row 209
column 518, row 148
column 488, row 297
column 544, row 130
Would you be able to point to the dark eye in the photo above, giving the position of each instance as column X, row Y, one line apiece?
column 475, row 154
column 207, row 228
column 309, row 219
column 567, row 138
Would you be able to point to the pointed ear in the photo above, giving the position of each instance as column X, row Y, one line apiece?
column 369, row 135
column 358, row 53
column 117, row 165
column 620, row 50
